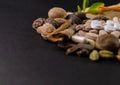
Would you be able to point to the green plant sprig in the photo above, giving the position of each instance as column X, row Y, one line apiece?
column 94, row 8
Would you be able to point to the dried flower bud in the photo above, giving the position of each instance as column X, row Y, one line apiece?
column 45, row 29
column 38, row 22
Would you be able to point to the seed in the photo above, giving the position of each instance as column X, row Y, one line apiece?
column 106, row 54
column 94, row 55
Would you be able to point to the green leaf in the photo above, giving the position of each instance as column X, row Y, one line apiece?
column 85, row 4
column 78, row 8
column 95, row 7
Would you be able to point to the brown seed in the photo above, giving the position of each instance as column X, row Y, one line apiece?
column 107, row 42
column 57, row 12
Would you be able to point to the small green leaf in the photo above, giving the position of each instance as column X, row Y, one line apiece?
column 78, row 8
column 95, row 7
column 85, row 4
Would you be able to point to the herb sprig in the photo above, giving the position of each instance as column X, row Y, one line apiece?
column 94, row 8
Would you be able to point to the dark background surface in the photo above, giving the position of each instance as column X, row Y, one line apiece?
column 27, row 59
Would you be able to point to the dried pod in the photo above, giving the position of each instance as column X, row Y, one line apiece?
column 82, row 52
column 81, row 15
column 65, row 45
column 79, row 27
column 106, row 54
column 78, row 47
column 94, row 31
column 53, row 22
column 102, row 32
column 75, row 19
column 100, row 18
column 60, row 20
column 107, row 42
column 78, row 39
column 94, row 55
column 92, row 36
column 45, row 29
column 116, row 34
column 38, row 22
column 57, row 12
column 67, row 32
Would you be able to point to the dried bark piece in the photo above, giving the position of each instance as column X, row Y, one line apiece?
column 45, row 30
column 68, row 32
column 116, row 34
column 78, row 47
column 107, row 42
column 54, row 37
column 38, row 22
column 79, row 27
column 92, row 36
column 87, row 26
column 102, row 32
column 94, row 31
column 81, row 33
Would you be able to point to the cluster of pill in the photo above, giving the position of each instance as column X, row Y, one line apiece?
column 108, row 25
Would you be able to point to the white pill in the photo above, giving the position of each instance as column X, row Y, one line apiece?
column 78, row 39
column 110, row 22
column 109, row 28
column 117, row 26
column 97, row 24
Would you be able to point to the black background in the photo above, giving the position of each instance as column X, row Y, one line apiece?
column 27, row 59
